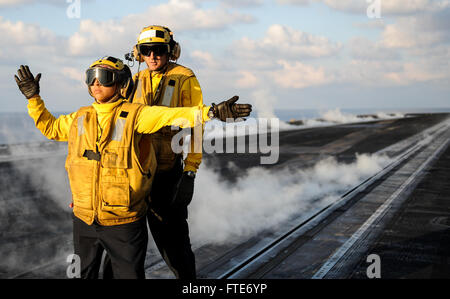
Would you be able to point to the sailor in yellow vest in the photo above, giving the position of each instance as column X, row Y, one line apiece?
column 110, row 167
column 166, row 83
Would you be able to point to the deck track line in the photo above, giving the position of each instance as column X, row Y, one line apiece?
column 316, row 217
column 324, row 212
column 331, row 262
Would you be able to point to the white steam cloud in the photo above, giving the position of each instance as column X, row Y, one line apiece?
column 260, row 200
column 263, row 199
column 336, row 116
column 50, row 176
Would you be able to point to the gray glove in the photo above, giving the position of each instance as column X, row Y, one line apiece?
column 28, row 85
column 229, row 109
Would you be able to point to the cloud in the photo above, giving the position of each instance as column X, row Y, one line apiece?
column 59, row 56
column 413, row 72
column 118, row 36
column 20, row 40
column 94, row 37
column 287, row 43
column 182, row 16
column 74, row 74
column 283, row 58
column 364, row 49
column 18, row 3
column 242, row 3
column 399, row 7
column 14, row 3
column 423, row 41
column 418, row 31
column 205, row 59
column 415, row 48
column 294, row 2
column 299, row 75
column 387, row 7
column 46, row 53
column 371, row 24
column 384, row 73
column 271, row 62
column 247, row 79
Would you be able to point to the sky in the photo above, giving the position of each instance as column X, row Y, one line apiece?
column 274, row 54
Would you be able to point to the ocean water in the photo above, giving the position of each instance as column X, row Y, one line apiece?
column 18, row 127
column 289, row 114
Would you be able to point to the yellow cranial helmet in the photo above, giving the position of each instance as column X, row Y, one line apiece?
column 113, row 62
column 154, row 34
column 157, row 35
column 109, row 71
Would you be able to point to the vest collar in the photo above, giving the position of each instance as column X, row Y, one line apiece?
column 162, row 70
column 107, row 107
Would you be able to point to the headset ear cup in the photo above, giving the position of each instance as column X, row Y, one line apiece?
column 136, row 55
column 175, row 53
column 127, row 89
column 127, row 84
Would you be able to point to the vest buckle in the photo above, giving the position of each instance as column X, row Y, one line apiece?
column 91, row 155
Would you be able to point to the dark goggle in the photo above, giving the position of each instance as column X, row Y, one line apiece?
column 158, row 50
column 105, row 77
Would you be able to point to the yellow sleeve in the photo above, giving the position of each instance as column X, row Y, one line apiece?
column 153, row 118
column 191, row 95
column 50, row 127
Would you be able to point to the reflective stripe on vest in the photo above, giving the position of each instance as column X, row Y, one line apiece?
column 138, row 93
column 118, row 129
column 80, row 125
column 168, row 93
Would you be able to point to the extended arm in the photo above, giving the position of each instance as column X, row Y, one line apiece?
column 153, row 118
column 51, row 127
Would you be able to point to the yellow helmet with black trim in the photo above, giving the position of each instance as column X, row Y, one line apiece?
column 157, row 35
column 108, row 71
column 113, row 62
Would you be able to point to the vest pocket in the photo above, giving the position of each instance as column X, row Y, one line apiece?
column 81, row 177
column 115, row 190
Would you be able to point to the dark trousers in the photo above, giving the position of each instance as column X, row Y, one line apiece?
column 125, row 244
column 169, row 226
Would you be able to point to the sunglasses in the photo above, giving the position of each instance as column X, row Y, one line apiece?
column 158, row 50
column 105, row 77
